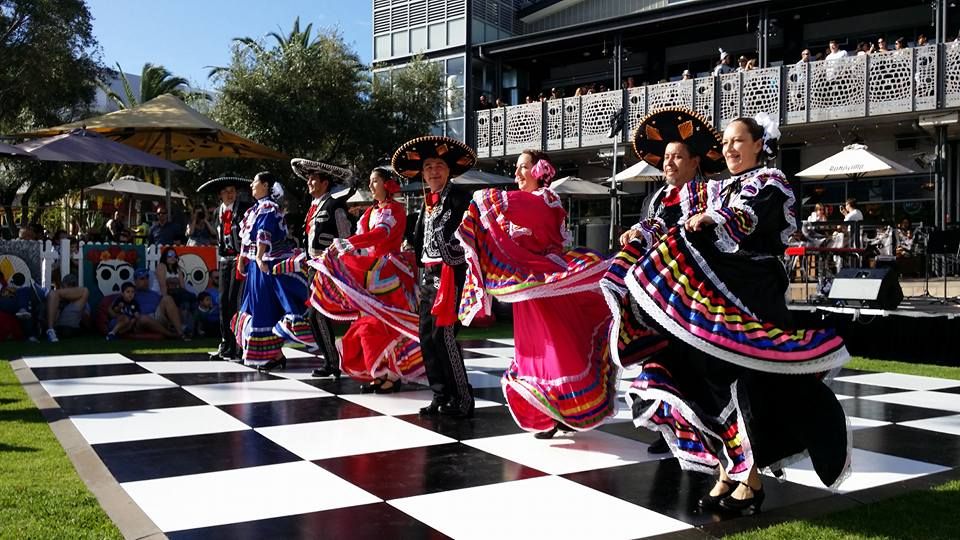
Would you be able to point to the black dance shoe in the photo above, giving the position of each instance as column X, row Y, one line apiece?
column 546, row 434
column 712, row 502
column 279, row 363
column 459, row 408
column 388, row 387
column 370, row 387
column 326, row 372
column 660, row 446
column 433, row 408
column 744, row 506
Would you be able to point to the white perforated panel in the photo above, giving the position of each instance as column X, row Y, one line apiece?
column 761, row 92
column 703, row 101
column 597, row 110
column 571, row 122
column 729, row 98
column 672, row 94
column 797, row 93
column 496, row 131
column 951, row 74
column 891, row 86
column 483, row 133
column 925, row 68
column 637, row 106
column 838, row 88
column 554, row 124
column 524, row 127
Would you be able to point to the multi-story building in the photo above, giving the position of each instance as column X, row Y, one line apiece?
column 564, row 67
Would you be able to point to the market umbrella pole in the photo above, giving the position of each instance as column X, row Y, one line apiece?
column 167, row 150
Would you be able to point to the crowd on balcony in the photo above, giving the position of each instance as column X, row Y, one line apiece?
column 724, row 65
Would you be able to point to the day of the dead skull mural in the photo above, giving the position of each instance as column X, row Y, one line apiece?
column 112, row 274
column 15, row 270
column 194, row 271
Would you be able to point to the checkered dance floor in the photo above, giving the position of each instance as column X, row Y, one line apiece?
column 217, row 450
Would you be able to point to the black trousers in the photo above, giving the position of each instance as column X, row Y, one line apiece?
column 442, row 356
column 231, row 291
column 322, row 330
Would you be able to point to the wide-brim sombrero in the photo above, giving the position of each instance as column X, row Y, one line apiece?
column 665, row 126
column 215, row 185
column 303, row 167
column 408, row 159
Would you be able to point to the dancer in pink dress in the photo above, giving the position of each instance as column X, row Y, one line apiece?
column 365, row 278
column 561, row 376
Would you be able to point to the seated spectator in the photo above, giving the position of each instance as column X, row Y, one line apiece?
column 804, row 56
column 124, row 313
column 881, row 45
column 158, row 313
column 207, row 318
column 723, row 66
column 751, row 64
column 66, row 307
column 686, row 75
column 900, row 44
column 17, row 306
column 863, row 48
column 905, row 238
column 185, row 301
column 921, row 40
column 26, row 233
column 164, row 231
column 484, row 103
column 742, row 63
column 168, row 267
column 213, row 286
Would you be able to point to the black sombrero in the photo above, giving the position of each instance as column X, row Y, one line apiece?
column 215, row 185
column 304, row 167
column 665, row 126
column 408, row 159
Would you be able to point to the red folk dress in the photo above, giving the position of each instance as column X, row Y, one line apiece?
column 373, row 285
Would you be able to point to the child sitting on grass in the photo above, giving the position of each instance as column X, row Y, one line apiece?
column 207, row 321
column 124, row 313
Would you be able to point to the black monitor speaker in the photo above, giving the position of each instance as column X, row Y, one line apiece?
column 867, row 287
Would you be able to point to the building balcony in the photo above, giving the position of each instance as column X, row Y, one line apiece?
column 911, row 80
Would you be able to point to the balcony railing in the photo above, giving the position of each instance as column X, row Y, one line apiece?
column 853, row 87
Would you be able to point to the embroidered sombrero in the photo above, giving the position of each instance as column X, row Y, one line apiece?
column 304, row 167
column 665, row 126
column 215, row 185
column 408, row 159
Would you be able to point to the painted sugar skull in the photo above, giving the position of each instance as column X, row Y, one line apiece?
column 15, row 270
column 194, row 272
column 112, row 274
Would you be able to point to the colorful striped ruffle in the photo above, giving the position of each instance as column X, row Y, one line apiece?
column 491, row 273
column 259, row 345
column 581, row 401
column 296, row 328
column 657, row 405
column 633, row 341
column 340, row 295
column 676, row 289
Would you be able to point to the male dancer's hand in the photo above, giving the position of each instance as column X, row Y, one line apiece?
column 628, row 236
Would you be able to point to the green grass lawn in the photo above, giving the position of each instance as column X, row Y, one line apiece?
column 41, row 495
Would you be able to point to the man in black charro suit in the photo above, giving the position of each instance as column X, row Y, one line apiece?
column 436, row 160
column 234, row 202
column 326, row 221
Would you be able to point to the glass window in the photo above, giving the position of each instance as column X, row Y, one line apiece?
column 418, row 40
column 915, row 187
column 381, row 46
column 455, row 69
column 823, row 192
column 436, row 129
column 916, row 211
column 456, row 32
column 455, row 128
column 437, row 36
column 401, row 43
column 871, row 189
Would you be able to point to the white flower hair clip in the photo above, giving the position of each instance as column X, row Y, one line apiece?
column 771, row 129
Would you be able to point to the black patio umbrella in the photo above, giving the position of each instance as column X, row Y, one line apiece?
column 8, row 150
column 82, row 146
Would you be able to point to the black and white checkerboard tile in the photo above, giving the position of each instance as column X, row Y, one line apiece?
column 217, row 450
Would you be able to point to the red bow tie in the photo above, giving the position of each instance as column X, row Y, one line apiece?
column 227, row 221
column 433, row 199
column 672, row 197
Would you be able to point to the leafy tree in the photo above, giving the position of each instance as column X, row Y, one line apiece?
column 155, row 81
column 47, row 72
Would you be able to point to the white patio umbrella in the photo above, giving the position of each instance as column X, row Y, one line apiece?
column 854, row 161
column 639, row 172
column 577, row 188
column 479, row 178
column 131, row 186
column 360, row 197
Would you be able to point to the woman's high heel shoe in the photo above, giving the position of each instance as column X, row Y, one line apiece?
column 279, row 363
column 546, row 434
column 388, row 387
column 744, row 506
column 712, row 502
column 371, row 387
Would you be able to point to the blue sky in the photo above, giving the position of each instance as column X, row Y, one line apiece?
column 185, row 36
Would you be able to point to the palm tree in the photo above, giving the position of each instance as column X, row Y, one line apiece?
column 155, row 80
column 296, row 36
